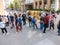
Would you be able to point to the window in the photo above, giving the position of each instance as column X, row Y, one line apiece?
column 52, row 1
column 45, row 1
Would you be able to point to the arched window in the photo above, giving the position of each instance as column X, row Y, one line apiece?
column 45, row 1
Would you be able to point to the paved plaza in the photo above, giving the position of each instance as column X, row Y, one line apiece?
column 29, row 36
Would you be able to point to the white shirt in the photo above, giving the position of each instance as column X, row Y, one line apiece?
column 2, row 24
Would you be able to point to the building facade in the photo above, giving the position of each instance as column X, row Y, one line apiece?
column 39, row 4
column 1, row 7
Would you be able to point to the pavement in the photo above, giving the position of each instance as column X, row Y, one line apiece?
column 30, row 36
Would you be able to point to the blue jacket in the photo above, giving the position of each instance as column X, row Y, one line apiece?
column 16, row 20
column 12, row 18
column 20, row 20
column 33, row 21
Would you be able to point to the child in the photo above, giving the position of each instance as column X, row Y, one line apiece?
column 41, row 24
column 58, row 28
column 34, row 23
column 52, row 24
column 2, row 26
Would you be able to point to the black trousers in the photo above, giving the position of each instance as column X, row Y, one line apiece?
column 24, row 22
column 45, row 26
column 52, row 26
column 4, row 29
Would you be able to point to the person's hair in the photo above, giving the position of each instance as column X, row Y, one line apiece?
column 15, row 15
column 28, row 13
column 52, row 12
column 46, row 14
column 0, row 20
column 19, row 15
column 59, row 21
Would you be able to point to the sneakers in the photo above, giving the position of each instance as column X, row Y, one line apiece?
column 7, row 33
column 44, row 32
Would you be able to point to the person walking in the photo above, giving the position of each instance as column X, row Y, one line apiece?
column 12, row 21
column 30, row 20
column 58, row 27
column 46, row 23
column 51, row 24
column 24, row 18
column 41, row 23
column 16, row 22
column 34, row 23
column 20, row 22
column 3, row 27
column 6, row 20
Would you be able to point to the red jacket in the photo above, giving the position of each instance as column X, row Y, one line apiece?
column 46, row 20
column 48, row 17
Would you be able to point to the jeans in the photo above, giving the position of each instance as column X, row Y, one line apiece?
column 58, row 32
column 30, row 24
column 35, row 26
column 20, row 26
column 12, row 23
column 24, row 22
column 41, row 26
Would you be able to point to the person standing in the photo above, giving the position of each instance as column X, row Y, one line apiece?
column 46, row 22
column 58, row 27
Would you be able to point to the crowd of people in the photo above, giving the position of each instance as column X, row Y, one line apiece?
column 47, row 20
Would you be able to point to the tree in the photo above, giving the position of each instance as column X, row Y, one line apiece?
column 11, row 6
column 16, row 4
